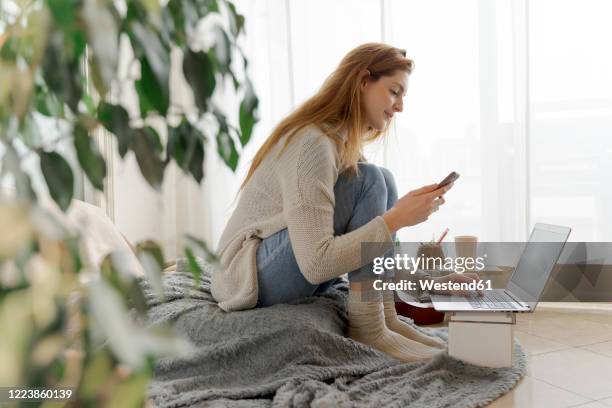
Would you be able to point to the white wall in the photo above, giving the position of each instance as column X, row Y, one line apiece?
column 502, row 92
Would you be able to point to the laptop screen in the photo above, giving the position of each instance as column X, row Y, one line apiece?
column 537, row 261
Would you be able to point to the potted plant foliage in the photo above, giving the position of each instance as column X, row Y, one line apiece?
column 60, row 60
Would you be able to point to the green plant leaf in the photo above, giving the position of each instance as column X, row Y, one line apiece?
column 200, row 75
column 47, row 103
column 97, row 78
column 191, row 13
column 144, row 105
column 177, row 146
column 98, row 369
column 136, row 12
column 186, row 147
column 154, row 93
column 103, row 37
column 154, row 249
column 51, row 334
column 154, row 60
column 63, row 12
column 117, row 121
column 236, row 20
column 196, row 164
column 89, row 157
column 194, row 267
column 76, row 44
column 136, row 297
column 222, row 50
column 174, row 19
column 90, row 106
column 201, row 248
column 152, row 260
column 109, row 272
column 209, row 6
column 62, row 75
column 226, row 148
column 201, row 8
column 72, row 244
column 248, row 113
column 109, row 314
column 122, row 280
column 66, row 14
column 130, row 392
column 59, row 178
column 147, row 147
column 6, row 291
column 30, row 132
column 9, row 50
column 235, row 81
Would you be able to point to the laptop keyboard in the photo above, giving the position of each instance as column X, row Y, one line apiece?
column 492, row 300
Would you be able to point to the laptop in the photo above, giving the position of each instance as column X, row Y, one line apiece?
column 527, row 282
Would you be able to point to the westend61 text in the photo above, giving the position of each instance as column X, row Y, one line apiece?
column 430, row 285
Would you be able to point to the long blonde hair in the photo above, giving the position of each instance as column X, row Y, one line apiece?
column 337, row 104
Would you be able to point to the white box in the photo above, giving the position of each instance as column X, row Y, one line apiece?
column 484, row 339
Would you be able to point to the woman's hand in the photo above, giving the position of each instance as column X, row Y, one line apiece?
column 415, row 207
column 457, row 278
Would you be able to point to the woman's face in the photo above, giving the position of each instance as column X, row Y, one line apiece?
column 382, row 98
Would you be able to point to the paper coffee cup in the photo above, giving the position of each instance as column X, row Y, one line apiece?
column 465, row 246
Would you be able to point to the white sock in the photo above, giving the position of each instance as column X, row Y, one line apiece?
column 367, row 325
column 406, row 330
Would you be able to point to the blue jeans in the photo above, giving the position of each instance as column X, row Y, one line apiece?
column 358, row 200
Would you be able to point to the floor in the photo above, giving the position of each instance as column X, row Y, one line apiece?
column 569, row 360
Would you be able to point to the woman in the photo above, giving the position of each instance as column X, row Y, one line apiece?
column 309, row 200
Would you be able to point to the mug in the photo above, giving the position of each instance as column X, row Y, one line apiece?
column 465, row 246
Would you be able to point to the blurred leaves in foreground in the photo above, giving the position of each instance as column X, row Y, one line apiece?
column 66, row 321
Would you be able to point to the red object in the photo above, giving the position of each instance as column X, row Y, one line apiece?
column 420, row 315
column 443, row 235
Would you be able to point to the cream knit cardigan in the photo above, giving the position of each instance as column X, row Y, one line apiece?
column 295, row 191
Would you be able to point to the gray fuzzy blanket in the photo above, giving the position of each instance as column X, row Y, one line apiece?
column 297, row 355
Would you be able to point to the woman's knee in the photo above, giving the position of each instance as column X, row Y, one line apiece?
column 371, row 176
column 391, row 186
column 379, row 178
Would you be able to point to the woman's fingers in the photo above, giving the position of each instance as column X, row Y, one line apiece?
column 432, row 190
column 439, row 192
column 473, row 276
column 436, row 204
column 416, row 206
column 464, row 277
column 424, row 189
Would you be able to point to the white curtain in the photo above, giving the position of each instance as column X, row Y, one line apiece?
column 514, row 95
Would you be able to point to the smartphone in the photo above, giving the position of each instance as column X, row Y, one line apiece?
column 449, row 179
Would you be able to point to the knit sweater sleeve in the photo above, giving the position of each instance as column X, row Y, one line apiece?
column 308, row 202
